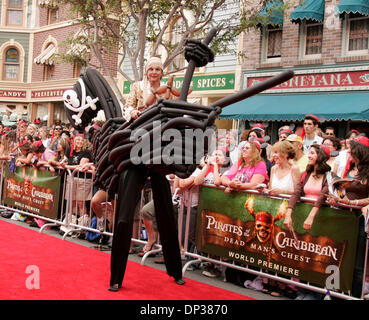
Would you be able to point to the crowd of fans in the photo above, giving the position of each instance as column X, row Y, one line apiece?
column 37, row 145
column 302, row 163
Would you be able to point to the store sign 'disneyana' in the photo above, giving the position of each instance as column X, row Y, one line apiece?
column 326, row 81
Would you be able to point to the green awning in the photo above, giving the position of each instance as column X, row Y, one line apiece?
column 354, row 6
column 309, row 10
column 271, row 14
column 292, row 107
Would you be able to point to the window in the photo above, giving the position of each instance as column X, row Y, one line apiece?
column 78, row 69
column 312, row 38
column 12, row 61
column 59, row 113
column 272, row 43
column 49, row 72
column 15, row 12
column 11, row 65
column 357, row 35
column 42, row 111
column 176, row 34
column 53, row 15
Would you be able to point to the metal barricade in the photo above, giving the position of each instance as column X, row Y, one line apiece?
column 79, row 193
column 107, row 207
column 197, row 258
column 84, row 188
column 78, row 190
column 61, row 222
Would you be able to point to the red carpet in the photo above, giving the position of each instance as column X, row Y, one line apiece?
column 68, row 271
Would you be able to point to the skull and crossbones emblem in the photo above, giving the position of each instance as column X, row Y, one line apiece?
column 72, row 102
column 264, row 221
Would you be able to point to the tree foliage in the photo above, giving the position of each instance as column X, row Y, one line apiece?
column 137, row 29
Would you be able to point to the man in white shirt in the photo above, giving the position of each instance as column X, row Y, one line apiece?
column 309, row 134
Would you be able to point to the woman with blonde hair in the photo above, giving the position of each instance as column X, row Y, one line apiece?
column 284, row 175
column 144, row 93
column 249, row 171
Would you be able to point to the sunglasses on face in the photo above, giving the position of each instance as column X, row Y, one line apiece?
column 328, row 145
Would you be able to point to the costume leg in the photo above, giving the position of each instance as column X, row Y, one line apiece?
column 130, row 182
column 167, row 225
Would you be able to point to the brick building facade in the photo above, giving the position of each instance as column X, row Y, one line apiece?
column 326, row 44
column 32, row 33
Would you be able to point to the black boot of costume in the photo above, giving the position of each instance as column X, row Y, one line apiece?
column 167, row 226
column 130, row 183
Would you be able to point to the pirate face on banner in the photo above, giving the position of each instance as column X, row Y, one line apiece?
column 263, row 226
column 264, row 221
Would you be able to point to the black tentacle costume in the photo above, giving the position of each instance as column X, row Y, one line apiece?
column 116, row 171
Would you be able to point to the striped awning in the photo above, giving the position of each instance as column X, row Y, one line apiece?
column 309, row 10
column 46, row 56
column 354, row 6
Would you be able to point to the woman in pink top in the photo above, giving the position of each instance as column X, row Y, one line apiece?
column 249, row 171
column 313, row 185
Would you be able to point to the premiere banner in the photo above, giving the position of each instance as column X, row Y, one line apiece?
column 248, row 228
column 32, row 190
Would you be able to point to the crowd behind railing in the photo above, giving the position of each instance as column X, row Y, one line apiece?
column 304, row 164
